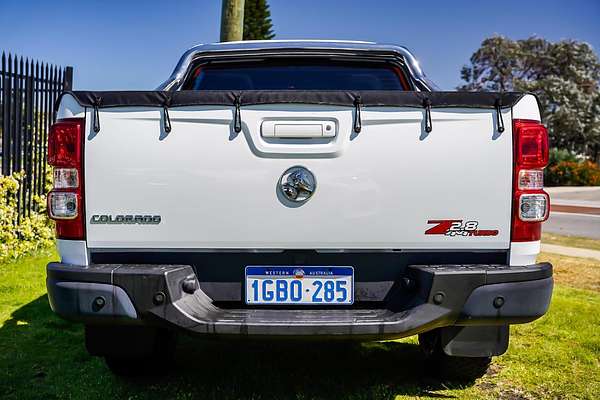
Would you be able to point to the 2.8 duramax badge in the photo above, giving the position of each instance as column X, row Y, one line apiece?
column 458, row 227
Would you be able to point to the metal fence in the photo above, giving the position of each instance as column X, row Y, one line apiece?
column 28, row 90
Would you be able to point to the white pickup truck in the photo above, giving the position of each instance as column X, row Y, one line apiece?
column 299, row 189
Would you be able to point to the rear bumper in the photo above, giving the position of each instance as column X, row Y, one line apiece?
column 435, row 296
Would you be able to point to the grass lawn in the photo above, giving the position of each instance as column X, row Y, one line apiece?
column 42, row 356
column 571, row 241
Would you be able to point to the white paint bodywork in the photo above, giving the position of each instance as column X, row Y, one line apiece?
column 527, row 108
column 69, row 108
column 375, row 190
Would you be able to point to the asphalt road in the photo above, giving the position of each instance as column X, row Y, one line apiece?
column 573, row 224
column 577, row 211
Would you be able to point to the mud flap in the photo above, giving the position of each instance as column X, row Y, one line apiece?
column 474, row 341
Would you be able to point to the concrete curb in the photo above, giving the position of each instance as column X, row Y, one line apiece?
column 574, row 209
column 571, row 189
column 580, row 203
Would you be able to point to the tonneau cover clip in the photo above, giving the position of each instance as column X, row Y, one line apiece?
column 167, row 119
column 237, row 117
column 357, row 117
column 97, row 103
column 499, row 119
column 427, row 106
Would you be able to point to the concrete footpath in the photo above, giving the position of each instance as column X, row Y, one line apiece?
column 585, row 197
column 571, row 251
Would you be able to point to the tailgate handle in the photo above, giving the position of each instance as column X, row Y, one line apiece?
column 298, row 130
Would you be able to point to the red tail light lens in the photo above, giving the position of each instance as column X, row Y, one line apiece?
column 64, row 143
column 526, row 231
column 531, row 205
column 531, row 143
column 65, row 200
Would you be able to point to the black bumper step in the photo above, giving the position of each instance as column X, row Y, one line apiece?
column 439, row 295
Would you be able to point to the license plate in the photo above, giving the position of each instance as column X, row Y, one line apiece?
column 299, row 285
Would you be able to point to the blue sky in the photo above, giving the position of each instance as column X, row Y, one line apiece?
column 131, row 44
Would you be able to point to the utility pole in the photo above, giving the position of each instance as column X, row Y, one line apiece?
column 232, row 20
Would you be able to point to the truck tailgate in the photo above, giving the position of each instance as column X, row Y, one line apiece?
column 382, row 188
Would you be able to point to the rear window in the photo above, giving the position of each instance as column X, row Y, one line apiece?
column 295, row 77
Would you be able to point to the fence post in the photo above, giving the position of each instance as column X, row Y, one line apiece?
column 28, row 162
column 5, row 117
column 27, row 96
column 68, row 79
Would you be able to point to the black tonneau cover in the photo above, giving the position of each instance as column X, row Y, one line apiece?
column 104, row 99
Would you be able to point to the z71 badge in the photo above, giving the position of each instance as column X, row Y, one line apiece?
column 456, row 227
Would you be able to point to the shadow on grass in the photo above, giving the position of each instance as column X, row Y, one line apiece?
column 42, row 356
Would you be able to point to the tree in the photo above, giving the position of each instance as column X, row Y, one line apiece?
column 257, row 21
column 564, row 75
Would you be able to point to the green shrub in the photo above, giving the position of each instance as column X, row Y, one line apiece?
column 559, row 155
column 572, row 173
column 30, row 233
column 566, row 168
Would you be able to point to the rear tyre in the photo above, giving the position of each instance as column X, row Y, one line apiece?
column 452, row 368
column 458, row 369
column 132, row 351
column 137, row 366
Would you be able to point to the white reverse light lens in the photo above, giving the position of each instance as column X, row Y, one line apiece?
column 66, row 178
column 533, row 207
column 531, row 179
column 63, row 205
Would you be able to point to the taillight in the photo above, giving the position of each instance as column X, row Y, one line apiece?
column 531, row 204
column 531, row 143
column 65, row 200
